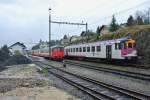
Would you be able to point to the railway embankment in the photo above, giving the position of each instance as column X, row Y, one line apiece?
column 143, row 46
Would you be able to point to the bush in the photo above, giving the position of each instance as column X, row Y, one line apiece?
column 4, row 53
column 17, row 53
column 17, row 59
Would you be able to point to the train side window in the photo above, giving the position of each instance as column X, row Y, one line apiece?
column 80, row 49
column 98, row 48
column 119, row 46
column 88, row 49
column 76, row 49
column 116, row 46
column 84, row 49
column 129, row 45
column 73, row 49
column 93, row 48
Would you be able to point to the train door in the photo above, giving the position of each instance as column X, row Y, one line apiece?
column 108, row 52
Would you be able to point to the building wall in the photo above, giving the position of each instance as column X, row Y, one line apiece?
column 19, row 48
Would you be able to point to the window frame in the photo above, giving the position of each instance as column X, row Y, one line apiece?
column 88, row 49
column 98, row 48
column 93, row 48
column 80, row 49
column 84, row 49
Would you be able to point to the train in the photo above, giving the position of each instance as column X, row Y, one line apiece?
column 116, row 49
column 55, row 52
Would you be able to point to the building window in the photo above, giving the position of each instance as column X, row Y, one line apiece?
column 84, row 49
column 98, row 48
column 88, row 49
column 93, row 48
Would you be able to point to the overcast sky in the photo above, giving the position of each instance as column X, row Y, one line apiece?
column 27, row 20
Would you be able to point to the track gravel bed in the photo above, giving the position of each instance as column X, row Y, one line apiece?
column 122, row 68
column 108, row 78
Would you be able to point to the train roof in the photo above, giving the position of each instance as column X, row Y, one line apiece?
column 107, row 42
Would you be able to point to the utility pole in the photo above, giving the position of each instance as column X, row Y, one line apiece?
column 49, row 33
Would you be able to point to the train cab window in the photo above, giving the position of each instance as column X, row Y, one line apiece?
column 93, row 48
column 134, row 45
column 80, row 49
column 98, row 48
column 129, row 45
column 61, row 49
column 88, row 49
column 76, row 49
column 84, row 49
column 125, row 46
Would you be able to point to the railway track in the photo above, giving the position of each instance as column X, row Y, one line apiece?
column 119, row 63
column 134, row 75
column 98, row 90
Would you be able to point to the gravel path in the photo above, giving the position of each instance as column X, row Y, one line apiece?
column 23, row 82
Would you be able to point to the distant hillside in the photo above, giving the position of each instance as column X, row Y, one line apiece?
column 134, row 29
column 125, row 31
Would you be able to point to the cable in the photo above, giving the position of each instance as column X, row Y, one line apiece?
column 122, row 11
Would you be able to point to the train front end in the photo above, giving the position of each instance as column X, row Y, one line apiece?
column 57, row 53
column 129, row 49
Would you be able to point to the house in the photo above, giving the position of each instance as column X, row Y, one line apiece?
column 65, row 41
column 75, row 38
column 18, row 47
column 104, row 29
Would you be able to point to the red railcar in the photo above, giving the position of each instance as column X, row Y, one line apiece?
column 56, row 52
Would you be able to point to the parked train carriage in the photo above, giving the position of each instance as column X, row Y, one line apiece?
column 122, row 48
column 44, row 52
column 35, row 52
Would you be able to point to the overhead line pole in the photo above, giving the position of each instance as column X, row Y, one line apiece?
column 49, row 32
column 56, row 22
column 70, row 23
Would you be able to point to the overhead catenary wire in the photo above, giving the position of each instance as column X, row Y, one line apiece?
column 120, row 12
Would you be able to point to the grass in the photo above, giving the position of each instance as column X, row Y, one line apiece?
column 51, row 82
column 45, row 71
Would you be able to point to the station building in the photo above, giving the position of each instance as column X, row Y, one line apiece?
column 18, row 47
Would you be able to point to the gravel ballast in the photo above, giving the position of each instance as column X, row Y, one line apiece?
column 117, row 80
